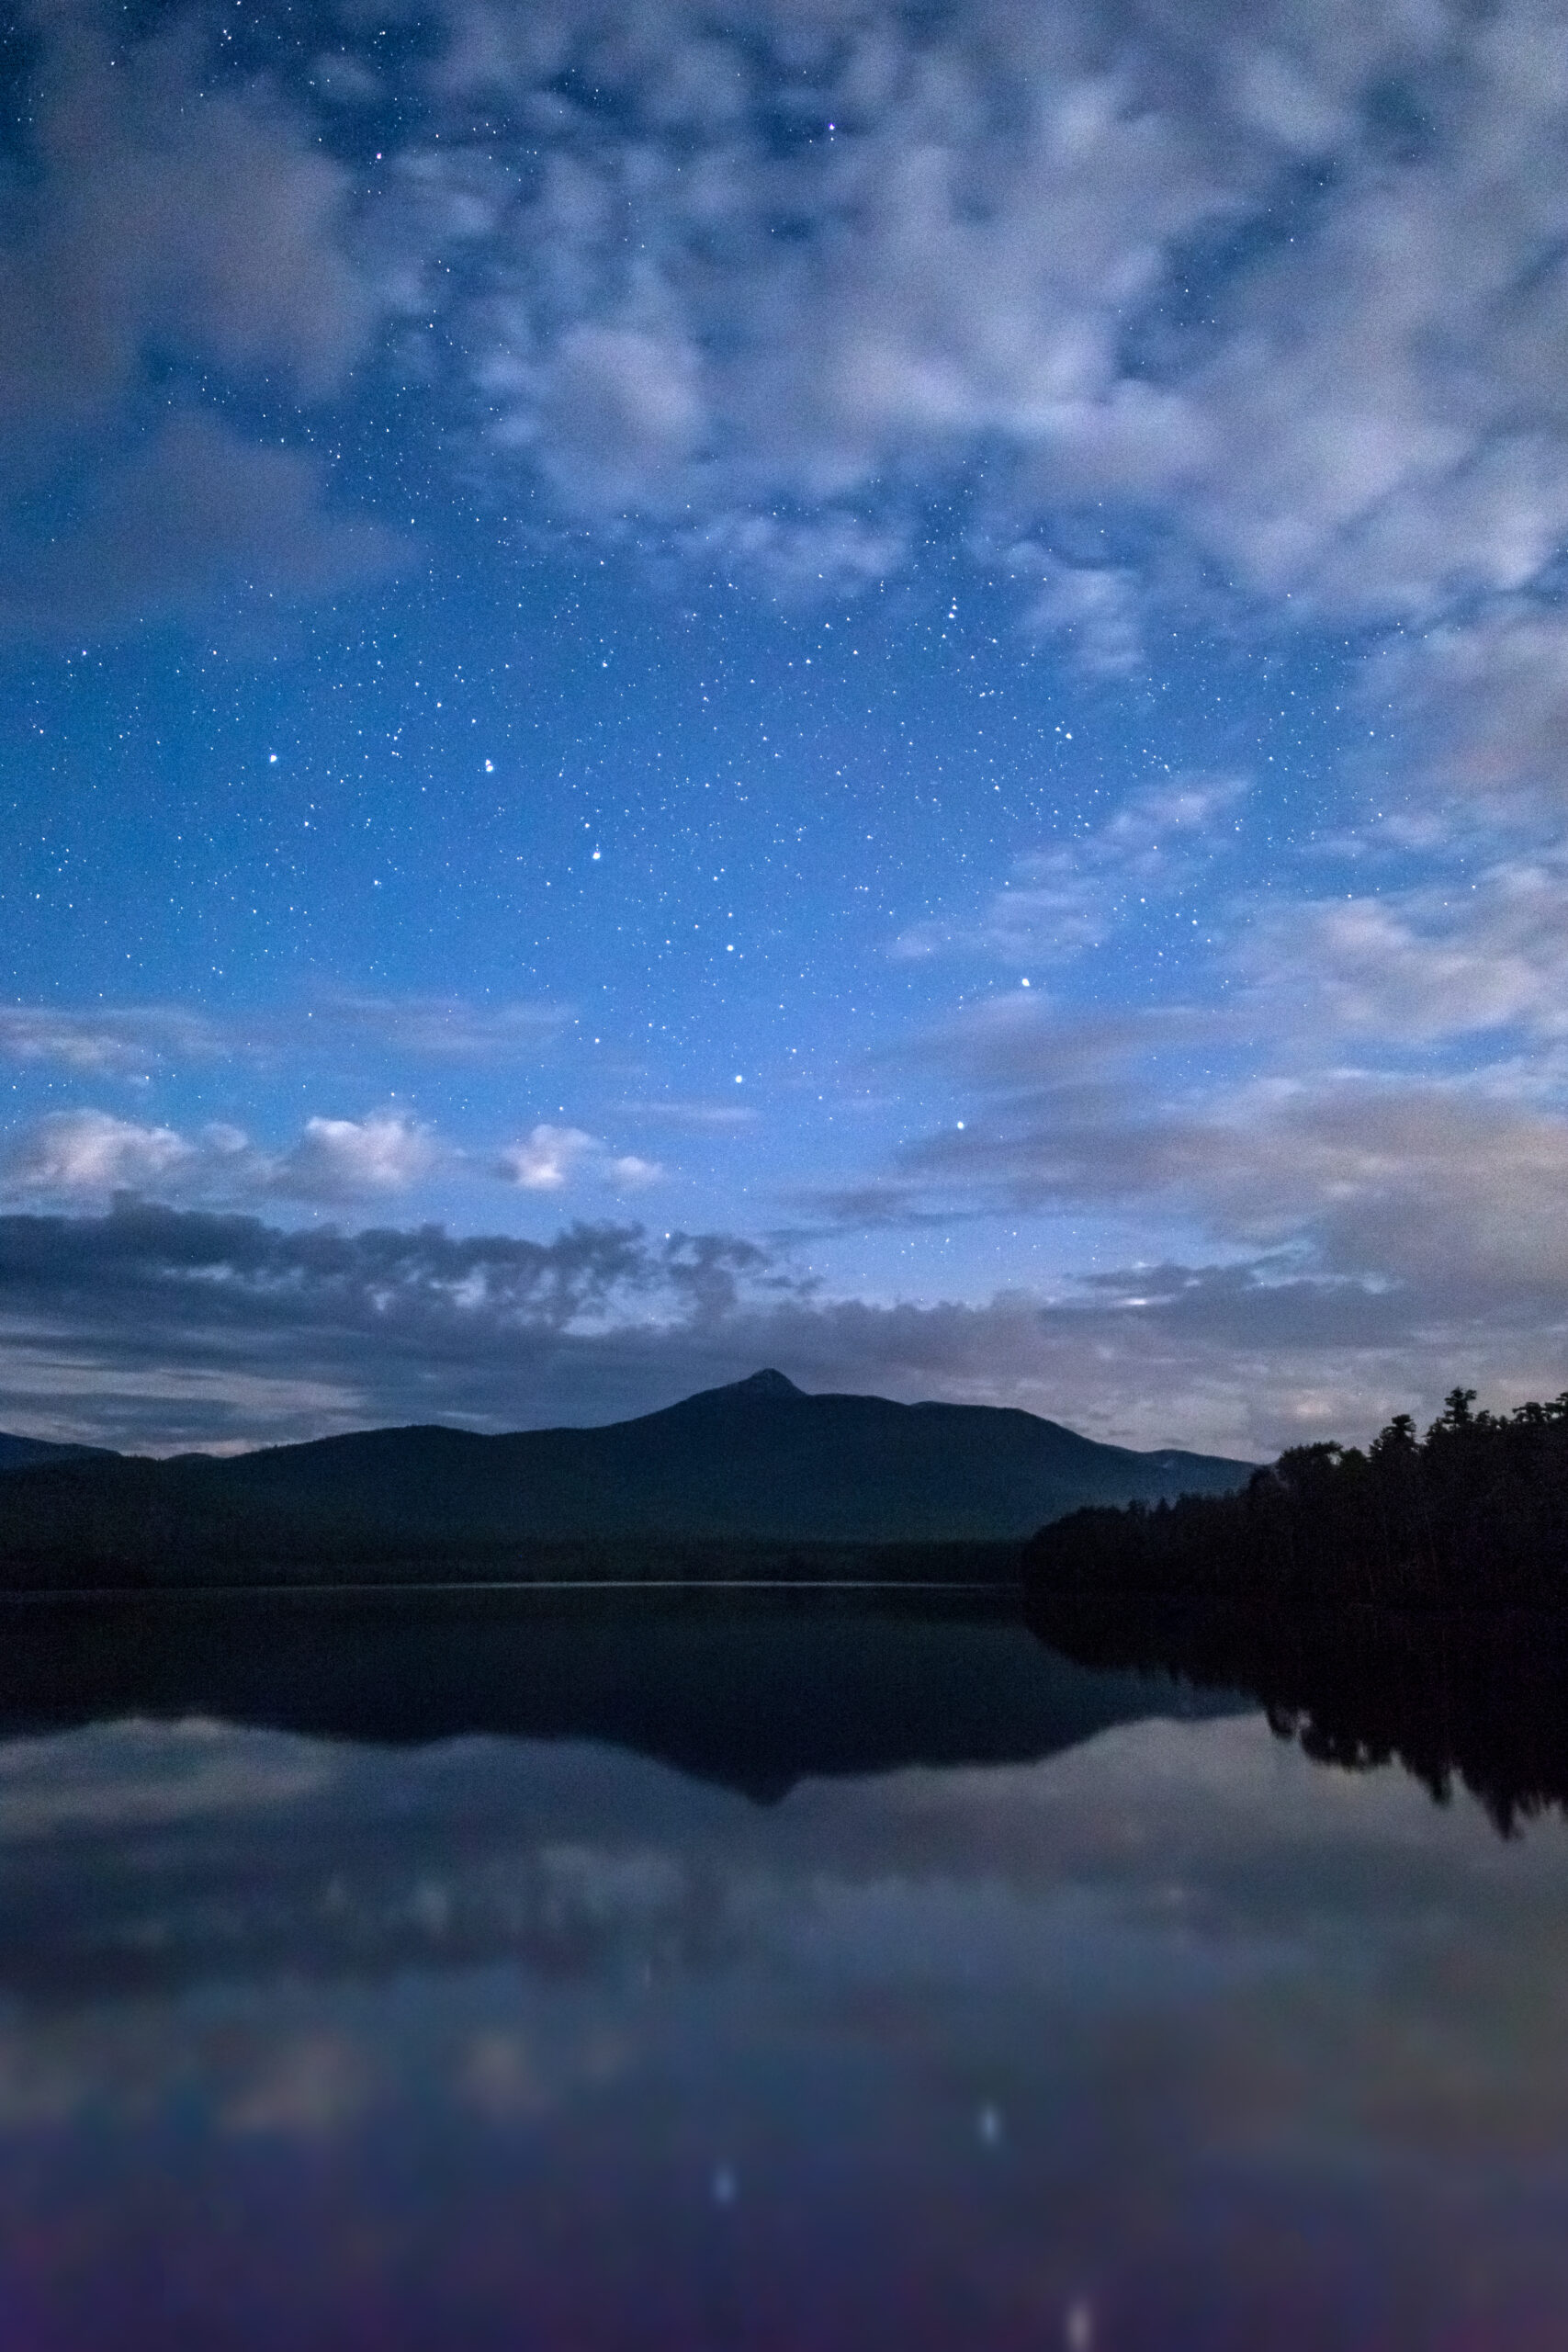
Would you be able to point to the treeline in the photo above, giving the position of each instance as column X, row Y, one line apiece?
column 155, row 1526
column 1473, row 1514
column 137, row 1522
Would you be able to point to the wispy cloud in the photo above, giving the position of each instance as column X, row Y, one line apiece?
column 1455, row 1189
column 1452, row 956
column 199, row 517
column 1071, row 897
column 440, row 1028
column 167, row 216
column 120, row 1043
column 131, row 1041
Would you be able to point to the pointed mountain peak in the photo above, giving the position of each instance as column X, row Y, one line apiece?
column 766, row 1384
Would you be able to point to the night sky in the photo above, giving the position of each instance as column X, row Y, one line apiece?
column 876, row 688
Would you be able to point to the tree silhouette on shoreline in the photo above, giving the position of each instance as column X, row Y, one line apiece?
column 1473, row 1514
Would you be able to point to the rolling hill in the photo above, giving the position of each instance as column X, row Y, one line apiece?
column 32, row 1452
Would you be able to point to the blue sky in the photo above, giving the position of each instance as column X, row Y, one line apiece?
column 878, row 688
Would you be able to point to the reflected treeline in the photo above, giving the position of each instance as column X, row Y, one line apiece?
column 1472, row 1515
column 1480, row 1697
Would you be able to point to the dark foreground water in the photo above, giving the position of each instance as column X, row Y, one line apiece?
column 727, row 1975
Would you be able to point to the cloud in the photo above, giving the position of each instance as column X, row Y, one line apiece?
column 131, row 1040
column 443, row 1028
column 1269, row 286
column 1275, row 282
column 344, row 1160
column 622, row 415
column 1264, row 301
column 1481, row 705
column 162, row 213
column 943, row 283
column 630, row 1173
column 91, row 1154
column 92, row 1151
column 199, row 517
column 170, row 215
column 1072, row 896
column 71, row 1153
column 711, row 1117
column 546, row 1158
column 162, row 1328
column 200, row 1324
column 1096, row 608
column 1426, row 964
column 1454, row 1189
column 550, row 1158
column 117, row 1043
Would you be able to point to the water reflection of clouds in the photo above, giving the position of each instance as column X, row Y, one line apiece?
column 1159, row 1861
column 1014, row 2021
column 135, row 1775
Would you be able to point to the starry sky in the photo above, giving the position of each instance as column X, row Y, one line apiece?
column 879, row 688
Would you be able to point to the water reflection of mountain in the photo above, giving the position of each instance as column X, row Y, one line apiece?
column 759, row 1693
column 1477, row 1696
column 756, row 1693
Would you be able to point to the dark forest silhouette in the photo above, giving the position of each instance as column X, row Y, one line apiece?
column 1474, row 1515
column 1407, row 1602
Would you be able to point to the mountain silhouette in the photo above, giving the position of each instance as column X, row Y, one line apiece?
column 29, row 1452
column 760, row 1459
column 757, row 1462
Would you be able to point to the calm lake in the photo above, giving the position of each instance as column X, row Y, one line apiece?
column 722, row 1971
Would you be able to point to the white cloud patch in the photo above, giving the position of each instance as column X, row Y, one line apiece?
column 93, row 1151
column 631, row 1173
column 93, row 1154
column 550, row 1158
column 343, row 1159
column 72, row 1155
column 547, row 1157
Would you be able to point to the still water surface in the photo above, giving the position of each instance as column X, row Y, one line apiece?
column 724, row 1975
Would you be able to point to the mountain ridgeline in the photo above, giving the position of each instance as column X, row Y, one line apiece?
column 756, row 1465
column 33, row 1452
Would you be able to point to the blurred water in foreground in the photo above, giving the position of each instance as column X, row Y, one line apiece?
column 698, row 1990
